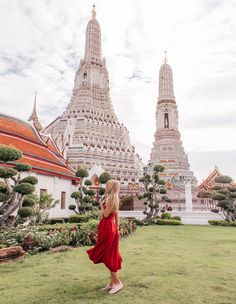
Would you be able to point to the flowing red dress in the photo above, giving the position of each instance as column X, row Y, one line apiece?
column 106, row 249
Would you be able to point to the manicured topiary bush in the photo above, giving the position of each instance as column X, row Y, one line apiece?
column 104, row 178
column 28, row 202
column 12, row 188
column 24, row 188
column 25, row 212
column 154, row 190
column 88, row 197
column 29, row 179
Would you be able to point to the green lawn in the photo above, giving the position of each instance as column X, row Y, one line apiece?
column 162, row 264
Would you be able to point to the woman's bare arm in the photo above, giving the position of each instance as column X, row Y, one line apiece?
column 117, row 220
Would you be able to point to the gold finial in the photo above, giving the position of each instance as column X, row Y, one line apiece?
column 93, row 12
column 165, row 58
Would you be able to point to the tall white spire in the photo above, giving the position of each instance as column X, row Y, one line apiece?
column 93, row 50
column 166, row 90
column 34, row 117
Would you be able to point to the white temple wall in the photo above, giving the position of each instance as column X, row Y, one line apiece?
column 55, row 185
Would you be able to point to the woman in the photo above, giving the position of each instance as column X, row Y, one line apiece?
column 106, row 249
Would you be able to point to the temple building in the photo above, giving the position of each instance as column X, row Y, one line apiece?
column 88, row 131
column 55, row 175
column 167, row 147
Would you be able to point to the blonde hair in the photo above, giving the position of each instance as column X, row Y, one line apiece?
column 112, row 195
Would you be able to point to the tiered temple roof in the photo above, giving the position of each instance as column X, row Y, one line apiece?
column 38, row 150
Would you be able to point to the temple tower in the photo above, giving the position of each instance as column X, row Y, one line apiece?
column 88, row 131
column 167, row 147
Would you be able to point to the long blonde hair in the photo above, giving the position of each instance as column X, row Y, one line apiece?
column 112, row 195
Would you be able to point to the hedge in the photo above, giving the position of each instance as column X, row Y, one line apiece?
column 222, row 223
column 35, row 239
column 167, row 222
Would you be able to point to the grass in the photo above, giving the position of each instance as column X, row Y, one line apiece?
column 162, row 264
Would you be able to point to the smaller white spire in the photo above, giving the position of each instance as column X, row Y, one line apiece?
column 165, row 58
column 93, row 12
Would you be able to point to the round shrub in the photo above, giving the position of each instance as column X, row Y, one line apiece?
column 150, row 189
column 166, row 216
column 233, row 194
column 3, row 197
column 231, row 189
column 163, row 191
column 101, row 191
column 158, row 168
column 216, row 187
column 25, row 212
column 3, row 187
column 24, row 188
column 76, row 195
column 224, row 179
column 33, row 180
column 223, row 191
column 9, row 153
column 95, row 203
column 90, row 192
column 7, row 172
column 28, row 202
column 21, row 167
column 104, row 177
column 215, row 210
column 82, row 173
column 88, row 182
column 87, row 199
column 72, row 207
column 147, row 194
column 140, row 197
column 218, row 197
column 142, row 179
column 161, row 182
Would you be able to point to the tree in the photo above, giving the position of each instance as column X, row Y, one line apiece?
column 225, row 195
column 44, row 203
column 85, row 196
column 13, row 189
column 154, row 192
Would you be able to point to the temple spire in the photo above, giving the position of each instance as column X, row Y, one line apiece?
column 93, row 12
column 34, row 117
column 93, row 40
column 166, row 90
column 165, row 58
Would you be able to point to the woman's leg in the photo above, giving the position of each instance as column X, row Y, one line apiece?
column 111, row 280
column 116, row 279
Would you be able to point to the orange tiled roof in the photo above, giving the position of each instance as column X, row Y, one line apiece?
column 209, row 181
column 39, row 151
column 18, row 127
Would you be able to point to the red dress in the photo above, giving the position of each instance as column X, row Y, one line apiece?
column 106, row 249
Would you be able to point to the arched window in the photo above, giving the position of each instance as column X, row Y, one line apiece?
column 85, row 75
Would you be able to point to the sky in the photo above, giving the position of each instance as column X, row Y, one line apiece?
column 42, row 42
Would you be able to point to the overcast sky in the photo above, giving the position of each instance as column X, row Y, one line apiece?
column 42, row 42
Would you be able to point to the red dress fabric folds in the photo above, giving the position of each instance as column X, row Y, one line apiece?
column 106, row 249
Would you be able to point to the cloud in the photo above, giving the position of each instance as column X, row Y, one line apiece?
column 41, row 47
